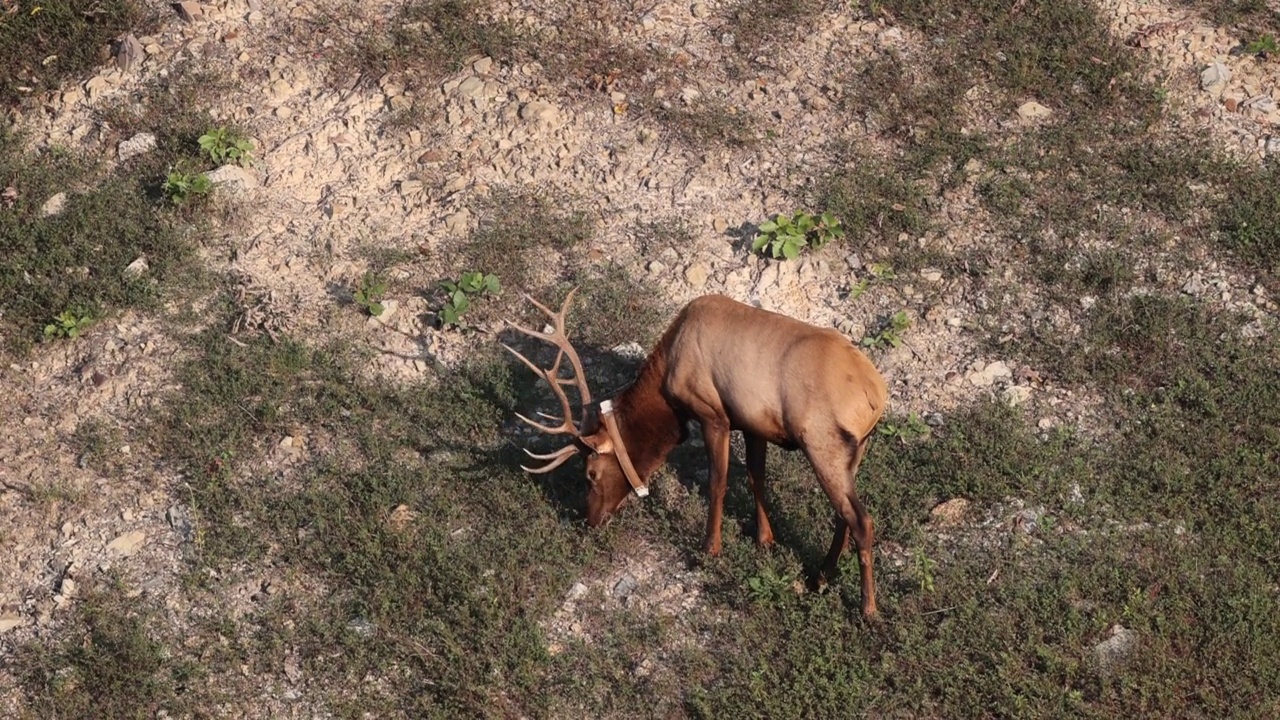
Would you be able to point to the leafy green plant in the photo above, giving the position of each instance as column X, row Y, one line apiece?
column 1265, row 45
column 883, row 271
column 461, row 292
column 181, row 185
column 369, row 293
column 912, row 427
column 922, row 567
column 879, row 272
column 68, row 324
column 891, row 333
column 769, row 586
column 784, row 236
column 224, row 145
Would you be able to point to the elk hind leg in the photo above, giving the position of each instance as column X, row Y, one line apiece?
column 852, row 518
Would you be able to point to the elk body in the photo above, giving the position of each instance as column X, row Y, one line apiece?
column 728, row 366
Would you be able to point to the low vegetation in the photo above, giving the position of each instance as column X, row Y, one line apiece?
column 786, row 235
column 52, row 40
column 59, row 269
column 415, row 566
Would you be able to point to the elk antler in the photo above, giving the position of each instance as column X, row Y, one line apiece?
column 558, row 338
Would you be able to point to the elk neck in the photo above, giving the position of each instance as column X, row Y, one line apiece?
column 650, row 427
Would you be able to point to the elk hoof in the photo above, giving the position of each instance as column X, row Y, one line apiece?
column 816, row 583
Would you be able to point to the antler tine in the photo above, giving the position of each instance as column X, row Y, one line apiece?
column 564, row 428
column 557, row 459
column 560, row 339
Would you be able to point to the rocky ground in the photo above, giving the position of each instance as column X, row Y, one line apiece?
column 332, row 181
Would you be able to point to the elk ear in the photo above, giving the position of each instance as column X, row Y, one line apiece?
column 598, row 442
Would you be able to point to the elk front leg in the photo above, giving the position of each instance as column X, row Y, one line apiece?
column 716, row 434
column 756, row 451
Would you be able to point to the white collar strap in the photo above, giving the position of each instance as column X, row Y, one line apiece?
column 619, row 449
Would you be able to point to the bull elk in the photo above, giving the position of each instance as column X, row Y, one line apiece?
column 730, row 366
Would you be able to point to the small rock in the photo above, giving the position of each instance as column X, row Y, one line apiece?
column 1260, row 105
column 94, row 87
column 987, row 376
column 54, row 205
column 67, row 588
column 472, row 87
column 456, row 223
column 128, row 543
column 656, row 267
column 626, row 585
column 129, row 52
column 401, row 516
column 1088, row 301
column 719, row 224
column 1272, row 146
column 577, row 592
column 1027, row 520
column 648, row 21
column 180, row 520
column 233, row 178
column 1047, row 423
column 932, row 276
column 280, row 90
column 483, row 65
column 949, row 513
column 430, row 157
column 10, row 621
column 629, row 350
column 1017, row 394
column 188, row 11
column 889, row 37
column 360, row 626
column 1075, row 495
column 697, row 274
column 137, row 145
column 137, row 268
column 1214, row 78
column 1194, row 285
column 998, row 369
column 700, row 10
column 1115, row 650
column 389, row 308
column 1031, row 110
column 538, row 111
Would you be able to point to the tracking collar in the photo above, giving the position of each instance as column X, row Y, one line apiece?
column 620, row 449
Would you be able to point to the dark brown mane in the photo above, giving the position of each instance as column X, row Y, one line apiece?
column 648, row 422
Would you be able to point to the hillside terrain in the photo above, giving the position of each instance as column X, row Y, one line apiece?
column 259, row 455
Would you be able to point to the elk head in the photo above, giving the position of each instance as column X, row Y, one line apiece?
column 610, row 475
